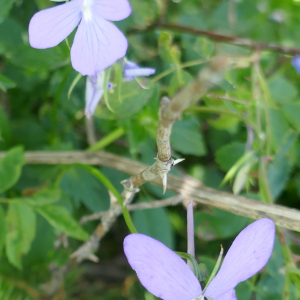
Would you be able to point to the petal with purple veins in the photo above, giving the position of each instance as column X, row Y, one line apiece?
column 51, row 26
column 97, row 45
column 248, row 254
column 161, row 271
column 113, row 10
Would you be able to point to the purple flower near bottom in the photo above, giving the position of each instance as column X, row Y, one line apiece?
column 164, row 274
column 97, row 44
column 132, row 70
column 296, row 63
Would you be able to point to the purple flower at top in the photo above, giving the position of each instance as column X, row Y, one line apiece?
column 164, row 274
column 132, row 70
column 98, row 43
column 296, row 63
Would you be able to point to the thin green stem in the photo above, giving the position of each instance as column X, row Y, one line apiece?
column 108, row 139
column 180, row 66
column 101, row 177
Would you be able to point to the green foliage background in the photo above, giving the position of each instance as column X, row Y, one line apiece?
column 40, row 203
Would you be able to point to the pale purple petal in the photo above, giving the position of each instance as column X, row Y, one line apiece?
column 161, row 271
column 49, row 27
column 97, row 45
column 249, row 253
column 93, row 93
column 132, row 70
column 296, row 63
column 139, row 72
column 113, row 10
column 228, row 296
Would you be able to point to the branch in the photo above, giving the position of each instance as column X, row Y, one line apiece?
column 169, row 113
column 221, row 38
column 187, row 186
column 143, row 205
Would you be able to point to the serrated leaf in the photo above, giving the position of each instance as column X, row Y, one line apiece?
column 10, row 168
column 60, row 218
column 186, row 138
column 227, row 155
column 21, row 227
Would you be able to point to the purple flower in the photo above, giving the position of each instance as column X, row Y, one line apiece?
column 97, row 44
column 132, row 70
column 164, row 274
column 94, row 92
column 296, row 63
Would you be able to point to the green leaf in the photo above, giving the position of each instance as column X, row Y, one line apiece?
column 195, row 265
column 41, row 198
column 228, row 155
column 155, row 223
column 292, row 112
column 127, row 98
column 21, row 227
column 223, row 122
column 60, row 218
column 204, row 46
column 168, row 52
column 278, row 127
column 216, row 268
column 83, row 187
column 5, row 7
column 187, row 139
column 10, row 168
column 234, row 169
column 6, row 83
column 2, row 230
column 178, row 80
column 211, row 226
column 279, row 168
column 282, row 90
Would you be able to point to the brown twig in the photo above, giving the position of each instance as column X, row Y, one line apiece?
column 187, row 186
column 220, row 38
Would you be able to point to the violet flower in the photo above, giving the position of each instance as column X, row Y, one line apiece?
column 296, row 63
column 95, row 85
column 132, row 70
column 97, row 44
column 93, row 92
column 164, row 274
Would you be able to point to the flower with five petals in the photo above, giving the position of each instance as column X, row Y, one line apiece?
column 97, row 44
